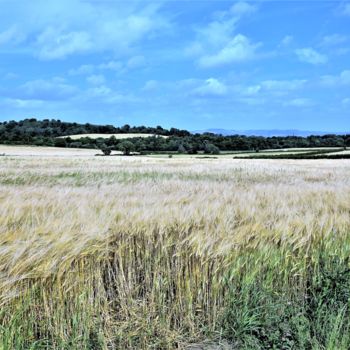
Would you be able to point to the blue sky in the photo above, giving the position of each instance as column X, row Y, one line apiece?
column 187, row 64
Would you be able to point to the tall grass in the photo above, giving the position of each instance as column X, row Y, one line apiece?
column 159, row 254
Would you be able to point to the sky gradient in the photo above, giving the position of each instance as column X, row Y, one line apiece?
column 186, row 64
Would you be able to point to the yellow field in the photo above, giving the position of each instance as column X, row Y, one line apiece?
column 35, row 151
column 141, row 253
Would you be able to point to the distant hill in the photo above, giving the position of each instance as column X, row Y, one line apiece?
column 268, row 133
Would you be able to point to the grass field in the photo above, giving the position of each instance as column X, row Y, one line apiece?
column 155, row 253
column 107, row 136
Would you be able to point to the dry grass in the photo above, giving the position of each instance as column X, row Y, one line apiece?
column 135, row 252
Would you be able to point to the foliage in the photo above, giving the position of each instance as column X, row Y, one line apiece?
column 126, row 147
column 46, row 133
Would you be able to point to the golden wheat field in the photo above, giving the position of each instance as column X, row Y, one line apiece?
column 146, row 253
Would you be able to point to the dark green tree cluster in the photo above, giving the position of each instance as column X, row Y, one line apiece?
column 50, row 132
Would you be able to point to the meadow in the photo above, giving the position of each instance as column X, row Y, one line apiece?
column 164, row 253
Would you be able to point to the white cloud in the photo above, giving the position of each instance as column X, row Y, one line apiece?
column 134, row 62
column 40, row 89
column 335, row 80
column 218, row 44
column 287, row 40
column 211, row 87
column 242, row 8
column 300, row 102
column 333, row 40
column 22, row 103
column 249, row 90
column 54, row 32
column 111, row 65
column 236, row 50
column 283, row 85
column 11, row 35
column 82, row 70
column 55, row 43
column 107, row 95
column 310, row 55
column 270, row 88
column 150, row 85
column 96, row 79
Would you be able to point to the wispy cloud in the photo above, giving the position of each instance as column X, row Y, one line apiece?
column 311, row 56
column 336, row 80
column 333, row 40
column 300, row 102
column 345, row 9
column 211, row 87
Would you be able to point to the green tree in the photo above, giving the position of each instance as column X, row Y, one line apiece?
column 105, row 149
column 209, row 148
column 181, row 149
column 126, row 147
column 60, row 142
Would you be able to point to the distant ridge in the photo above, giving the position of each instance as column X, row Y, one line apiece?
column 268, row 133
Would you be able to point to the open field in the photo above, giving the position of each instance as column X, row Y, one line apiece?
column 107, row 136
column 155, row 253
column 35, row 151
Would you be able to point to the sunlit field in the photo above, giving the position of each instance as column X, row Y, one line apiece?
column 163, row 253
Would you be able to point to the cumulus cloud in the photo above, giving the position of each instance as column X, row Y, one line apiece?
column 52, row 32
column 239, row 49
column 211, row 87
column 269, row 88
column 218, row 43
column 107, row 95
column 311, row 56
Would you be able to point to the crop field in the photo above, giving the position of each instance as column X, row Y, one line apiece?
column 35, row 151
column 159, row 253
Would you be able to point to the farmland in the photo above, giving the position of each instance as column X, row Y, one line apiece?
column 161, row 253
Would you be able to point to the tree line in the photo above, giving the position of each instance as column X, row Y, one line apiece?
column 49, row 132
